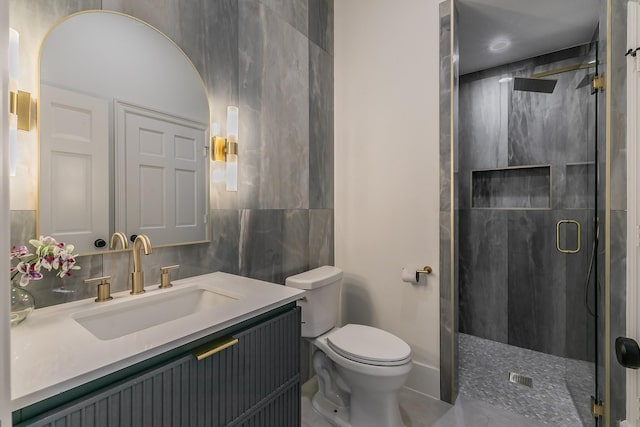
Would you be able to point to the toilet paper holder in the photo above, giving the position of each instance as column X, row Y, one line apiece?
column 411, row 275
column 425, row 270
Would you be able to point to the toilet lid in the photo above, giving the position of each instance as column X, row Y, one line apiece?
column 369, row 345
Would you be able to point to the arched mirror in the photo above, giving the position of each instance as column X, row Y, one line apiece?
column 123, row 130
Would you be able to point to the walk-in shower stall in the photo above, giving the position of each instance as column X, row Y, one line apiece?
column 532, row 230
column 527, row 228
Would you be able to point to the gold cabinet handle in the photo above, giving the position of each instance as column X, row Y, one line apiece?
column 214, row 347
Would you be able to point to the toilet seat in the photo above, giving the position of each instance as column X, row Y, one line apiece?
column 368, row 345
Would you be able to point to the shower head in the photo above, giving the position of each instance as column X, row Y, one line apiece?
column 535, row 83
column 586, row 80
column 527, row 84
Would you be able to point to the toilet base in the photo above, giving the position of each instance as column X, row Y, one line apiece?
column 336, row 415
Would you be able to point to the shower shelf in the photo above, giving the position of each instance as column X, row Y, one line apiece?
column 519, row 187
column 581, row 164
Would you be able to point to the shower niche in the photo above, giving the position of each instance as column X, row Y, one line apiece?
column 527, row 187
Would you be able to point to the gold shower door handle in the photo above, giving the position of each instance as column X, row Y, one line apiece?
column 578, row 229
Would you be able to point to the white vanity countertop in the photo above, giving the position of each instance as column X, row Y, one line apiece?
column 52, row 353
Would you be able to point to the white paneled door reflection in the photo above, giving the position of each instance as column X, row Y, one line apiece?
column 74, row 167
column 163, row 160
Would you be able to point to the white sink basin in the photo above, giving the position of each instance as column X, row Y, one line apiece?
column 140, row 313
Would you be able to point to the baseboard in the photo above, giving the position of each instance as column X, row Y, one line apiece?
column 424, row 379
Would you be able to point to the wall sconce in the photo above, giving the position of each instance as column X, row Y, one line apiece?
column 224, row 152
column 19, row 101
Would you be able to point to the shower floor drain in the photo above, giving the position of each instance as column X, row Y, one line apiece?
column 520, row 379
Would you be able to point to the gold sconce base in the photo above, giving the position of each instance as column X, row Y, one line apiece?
column 20, row 105
column 219, row 148
column 232, row 148
column 222, row 148
column 13, row 102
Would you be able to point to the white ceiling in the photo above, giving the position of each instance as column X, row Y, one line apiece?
column 532, row 27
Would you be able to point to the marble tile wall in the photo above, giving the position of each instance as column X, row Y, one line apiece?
column 483, row 274
column 321, row 24
column 617, row 312
column 320, row 128
column 536, row 291
column 273, row 58
column 23, row 226
column 579, row 297
column 617, row 209
column 448, row 272
column 515, row 287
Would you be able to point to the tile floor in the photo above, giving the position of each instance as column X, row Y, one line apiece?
column 422, row 411
column 561, row 391
column 488, row 399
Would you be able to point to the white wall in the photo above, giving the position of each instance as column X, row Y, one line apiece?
column 386, row 171
column 5, row 383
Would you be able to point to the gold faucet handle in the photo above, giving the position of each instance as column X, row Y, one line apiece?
column 165, row 275
column 104, row 288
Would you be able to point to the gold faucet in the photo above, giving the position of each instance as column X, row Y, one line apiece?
column 137, row 277
column 118, row 237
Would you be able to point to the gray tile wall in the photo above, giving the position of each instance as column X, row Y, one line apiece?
column 448, row 272
column 514, row 284
column 273, row 58
column 617, row 209
column 483, row 309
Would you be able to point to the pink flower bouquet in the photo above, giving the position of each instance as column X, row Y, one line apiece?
column 49, row 255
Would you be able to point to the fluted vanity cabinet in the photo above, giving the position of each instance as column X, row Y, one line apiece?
column 255, row 382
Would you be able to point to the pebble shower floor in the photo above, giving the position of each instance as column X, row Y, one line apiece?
column 561, row 387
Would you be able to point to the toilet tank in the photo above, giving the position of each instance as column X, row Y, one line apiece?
column 321, row 300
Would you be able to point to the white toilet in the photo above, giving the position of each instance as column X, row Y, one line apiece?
column 360, row 369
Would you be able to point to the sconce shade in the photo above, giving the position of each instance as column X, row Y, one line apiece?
column 232, row 150
column 14, row 54
column 218, row 172
column 14, row 66
column 13, row 148
column 232, row 174
column 19, row 101
column 232, row 123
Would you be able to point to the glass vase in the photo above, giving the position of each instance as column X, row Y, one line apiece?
column 22, row 303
